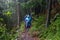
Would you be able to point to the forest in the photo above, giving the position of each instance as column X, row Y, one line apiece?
column 45, row 23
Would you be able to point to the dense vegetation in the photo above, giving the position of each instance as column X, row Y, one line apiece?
column 12, row 13
column 38, row 29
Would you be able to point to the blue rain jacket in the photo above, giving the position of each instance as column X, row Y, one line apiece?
column 27, row 20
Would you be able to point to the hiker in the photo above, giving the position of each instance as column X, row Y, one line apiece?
column 27, row 20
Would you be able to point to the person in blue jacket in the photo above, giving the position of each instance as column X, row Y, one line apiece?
column 27, row 20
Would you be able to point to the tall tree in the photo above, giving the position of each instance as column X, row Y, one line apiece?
column 49, row 7
column 18, row 13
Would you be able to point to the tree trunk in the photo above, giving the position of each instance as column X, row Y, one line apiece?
column 48, row 12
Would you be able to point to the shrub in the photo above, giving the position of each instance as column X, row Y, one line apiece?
column 4, row 35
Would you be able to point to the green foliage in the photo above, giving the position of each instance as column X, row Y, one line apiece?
column 1, row 20
column 8, row 13
column 54, row 30
column 50, row 33
column 7, row 19
column 27, row 5
column 37, row 24
column 32, row 3
column 7, row 32
column 2, row 30
column 4, row 35
column 22, row 27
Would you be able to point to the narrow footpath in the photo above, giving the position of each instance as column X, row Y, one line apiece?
column 27, row 36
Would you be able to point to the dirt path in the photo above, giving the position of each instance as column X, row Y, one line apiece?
column 27, row 36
